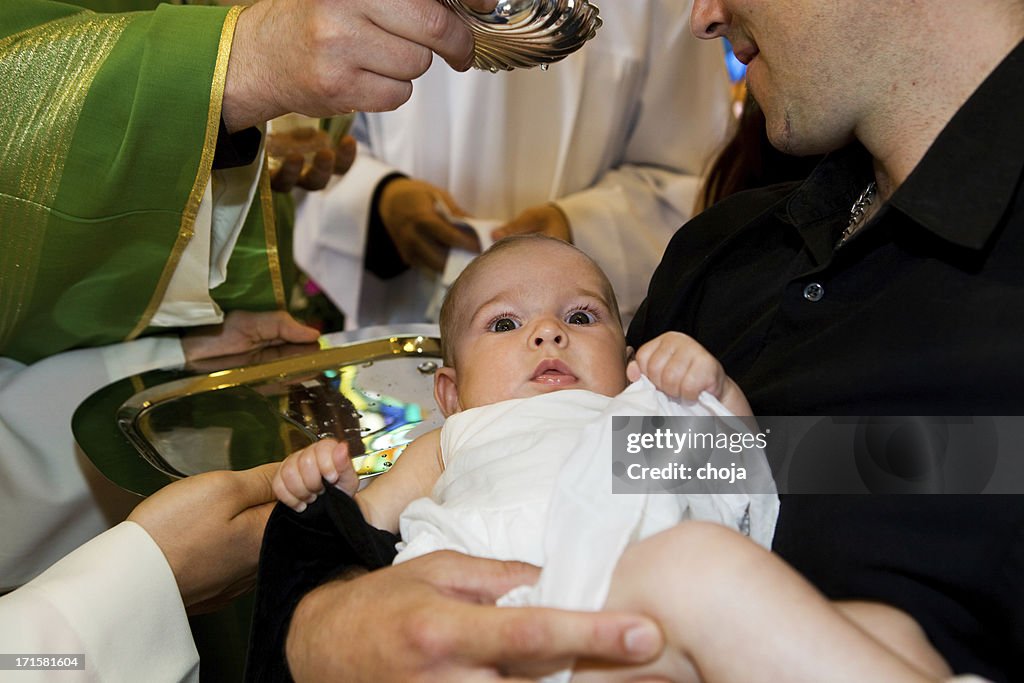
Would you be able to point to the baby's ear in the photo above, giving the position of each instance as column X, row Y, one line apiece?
column 446, row 391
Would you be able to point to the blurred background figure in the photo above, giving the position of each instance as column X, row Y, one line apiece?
column 604, row 149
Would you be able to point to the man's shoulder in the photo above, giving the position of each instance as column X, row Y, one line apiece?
column 730, row 215
column 748, row 205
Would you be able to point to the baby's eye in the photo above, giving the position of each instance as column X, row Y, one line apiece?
column 504, row 325
column 581, row 318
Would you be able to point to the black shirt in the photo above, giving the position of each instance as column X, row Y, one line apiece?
column 919, row 313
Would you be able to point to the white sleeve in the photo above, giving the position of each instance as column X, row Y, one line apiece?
column 115, row 601
column 49, row 495
column 633, row 210
column 226, row 201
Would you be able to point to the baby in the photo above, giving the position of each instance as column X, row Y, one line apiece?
column 535, row 357
column 531, row 317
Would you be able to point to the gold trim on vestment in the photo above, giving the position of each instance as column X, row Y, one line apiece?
column 188, row 218
column 45, row 76
column 270, row 231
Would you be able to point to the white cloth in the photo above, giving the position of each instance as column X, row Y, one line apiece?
column 204, row 262
column 114, row 600
column 617, row 134
column 531, row 480
column 52, row 499
column 458, row 259
column 501, row 462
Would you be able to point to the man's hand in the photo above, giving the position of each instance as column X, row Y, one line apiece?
column 547, row 219
column 245, row 331
column 438, row 613
column 210, row 527
column 325, row 57
column 327, row 162
column 422, row 236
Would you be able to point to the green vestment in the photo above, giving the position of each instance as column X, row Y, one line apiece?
column 106, row 143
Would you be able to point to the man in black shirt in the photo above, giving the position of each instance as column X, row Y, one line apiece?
column 911, row 302
column 889, row 283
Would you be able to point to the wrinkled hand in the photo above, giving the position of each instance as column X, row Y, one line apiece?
column 301, row 477
column 266, row 354
column 421, row 235
column 210, row 527
column 680, row 367
column 547, row 219
column 325, row 57
column 245, row 331
column 326, row 162
column 437, row 611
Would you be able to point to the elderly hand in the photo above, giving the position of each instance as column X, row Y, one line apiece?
column 243, row 332
column 324, row 57
column 422, row 236
column 210, row 527
column 438, row 613
column 547, row 220
column 327, row 162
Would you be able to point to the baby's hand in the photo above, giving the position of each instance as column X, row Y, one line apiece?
column 301, row 476
column 680, row 367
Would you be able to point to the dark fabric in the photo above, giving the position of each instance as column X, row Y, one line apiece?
column 381, row 257
column 955, row 563
column 300, row 552
column 238, row 149
column 922, row 313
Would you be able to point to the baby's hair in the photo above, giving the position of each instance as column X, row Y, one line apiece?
column 452, row 318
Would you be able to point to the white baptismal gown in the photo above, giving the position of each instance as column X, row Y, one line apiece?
column 531, row 480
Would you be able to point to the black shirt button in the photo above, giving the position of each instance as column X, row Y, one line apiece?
column 814, row 292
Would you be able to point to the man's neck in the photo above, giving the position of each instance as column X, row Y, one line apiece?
column 939, row 77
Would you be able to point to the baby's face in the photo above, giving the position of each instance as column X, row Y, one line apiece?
column 539, row 320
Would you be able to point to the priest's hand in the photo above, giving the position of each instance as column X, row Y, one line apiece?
column 326, row 57
column 244, row 332
column 210, row 527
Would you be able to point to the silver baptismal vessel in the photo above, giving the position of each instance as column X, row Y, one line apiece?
column 521, row 34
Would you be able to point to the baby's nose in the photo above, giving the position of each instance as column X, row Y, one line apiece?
column 540, row 339
column 549, row 333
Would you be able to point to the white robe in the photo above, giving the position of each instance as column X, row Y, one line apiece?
column 617, row 135
column 115, row 601
column 52, row 499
